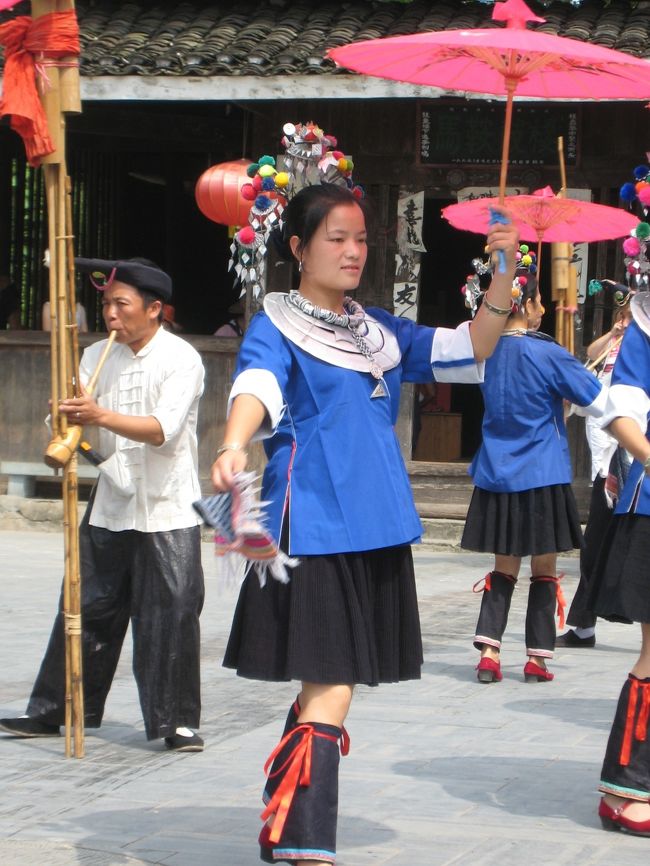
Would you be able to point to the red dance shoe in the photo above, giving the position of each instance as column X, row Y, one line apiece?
column 614, row 819
column 534, row 674
column 489, row 671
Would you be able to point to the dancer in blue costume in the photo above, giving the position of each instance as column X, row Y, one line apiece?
column 522, row 503
column 318, row 378
column 620, row 589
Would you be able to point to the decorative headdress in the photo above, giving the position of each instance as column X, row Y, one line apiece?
column 526, row 263
column 311, row 158
column 635, row 248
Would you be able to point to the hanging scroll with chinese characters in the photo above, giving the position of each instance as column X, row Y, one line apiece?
column 410, row 212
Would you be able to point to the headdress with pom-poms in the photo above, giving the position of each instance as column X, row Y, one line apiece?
column 526, row 261
column 635, row 256
column 311, row 157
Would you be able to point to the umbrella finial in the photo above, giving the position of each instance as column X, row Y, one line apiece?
column 515, row 13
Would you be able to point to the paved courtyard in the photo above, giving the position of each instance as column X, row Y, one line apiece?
column 442, row 771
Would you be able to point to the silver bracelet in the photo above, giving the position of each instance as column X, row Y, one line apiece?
column 498, row 311
column 231, row 446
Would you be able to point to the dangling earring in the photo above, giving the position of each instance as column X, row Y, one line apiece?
column 300, row 266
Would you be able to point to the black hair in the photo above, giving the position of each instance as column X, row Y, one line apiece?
column 528, row 292
column 148, row 297
column 306, row 211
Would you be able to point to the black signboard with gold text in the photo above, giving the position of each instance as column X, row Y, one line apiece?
column 472, row 133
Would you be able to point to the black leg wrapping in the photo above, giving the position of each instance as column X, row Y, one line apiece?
column 540, row 616
column 626, row 768
column 495, row 607
column 308, row 765
column 273, row 781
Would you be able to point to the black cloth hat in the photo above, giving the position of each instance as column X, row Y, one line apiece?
column 141, row 276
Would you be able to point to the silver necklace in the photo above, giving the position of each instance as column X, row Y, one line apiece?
column 352, row 319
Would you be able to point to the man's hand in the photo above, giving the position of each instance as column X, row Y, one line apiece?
column 225, row 467
column 81, row 410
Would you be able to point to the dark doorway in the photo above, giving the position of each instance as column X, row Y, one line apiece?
column 445, row 266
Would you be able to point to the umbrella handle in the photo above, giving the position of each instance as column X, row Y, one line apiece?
column 495, row 218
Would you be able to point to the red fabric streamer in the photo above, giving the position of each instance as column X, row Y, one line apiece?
column 28, row 41
column 640, row 730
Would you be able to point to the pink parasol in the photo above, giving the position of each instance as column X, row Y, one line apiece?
column 502, row 60
column 544, row 216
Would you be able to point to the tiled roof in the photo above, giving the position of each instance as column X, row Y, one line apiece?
column 280, row 37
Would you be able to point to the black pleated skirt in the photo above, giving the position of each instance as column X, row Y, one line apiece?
column 620, row 586
column 342, row 618
column 527, row 523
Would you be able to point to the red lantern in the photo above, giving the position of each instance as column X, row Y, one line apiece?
column 218, row 195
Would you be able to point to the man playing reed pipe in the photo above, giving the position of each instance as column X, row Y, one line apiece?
column 139, row 539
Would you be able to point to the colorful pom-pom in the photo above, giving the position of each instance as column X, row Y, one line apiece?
column 246, row 236
column 631, row 247
column 518, row 256
column 349, row 165
column 266, row 170
column 267, row 160
column 257, row 183
column 338, row 154
column 357, row 192
column 523, row 281
column 282, row 179
column 628, row 192
column 641, row 171
column 262, row 202
column 644, row 195
column 594, row 287
column 642, row 231
column 533, row 269
column 342, row 164
column 332, row 140
column 248, row 192
column 523, row 249
column 268, row 184
column 251, row 171
column 526, row 260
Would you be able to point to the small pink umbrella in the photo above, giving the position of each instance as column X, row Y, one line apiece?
column 543, row 216
column 502, row 60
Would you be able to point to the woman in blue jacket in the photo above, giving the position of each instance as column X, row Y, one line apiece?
column 522, row 503
column 620, row 588
column 318, row 378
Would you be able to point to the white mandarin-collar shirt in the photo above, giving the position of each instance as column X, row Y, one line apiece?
column 145, row 487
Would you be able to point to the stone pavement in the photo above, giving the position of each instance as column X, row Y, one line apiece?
column 442, row 771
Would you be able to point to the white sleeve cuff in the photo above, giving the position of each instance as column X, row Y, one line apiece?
column 452, row 356
column 263, row 385
column 596, row 408
column 626, row 401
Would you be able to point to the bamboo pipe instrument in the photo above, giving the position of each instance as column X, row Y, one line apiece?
column 61, row 448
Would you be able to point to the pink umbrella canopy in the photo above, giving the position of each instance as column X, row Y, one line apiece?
column 502, row 60
column 545, row 217
column 490, row 59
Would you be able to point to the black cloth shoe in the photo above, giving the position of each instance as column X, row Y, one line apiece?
column 179, row 743
column 571, row 639
column 27, row 727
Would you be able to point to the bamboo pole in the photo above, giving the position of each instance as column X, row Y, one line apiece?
column 64, row 369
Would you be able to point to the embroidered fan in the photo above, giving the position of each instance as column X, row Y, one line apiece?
column 238, row 520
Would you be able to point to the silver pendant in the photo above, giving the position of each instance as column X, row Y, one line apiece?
column 376, row 370
column 380, row 390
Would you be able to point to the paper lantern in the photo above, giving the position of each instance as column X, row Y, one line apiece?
column 218, row 193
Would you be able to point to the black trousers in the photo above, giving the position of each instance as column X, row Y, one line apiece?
column 155, row 580
column 600, row 516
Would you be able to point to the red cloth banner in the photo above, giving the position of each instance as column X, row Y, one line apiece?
column 30, row 45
